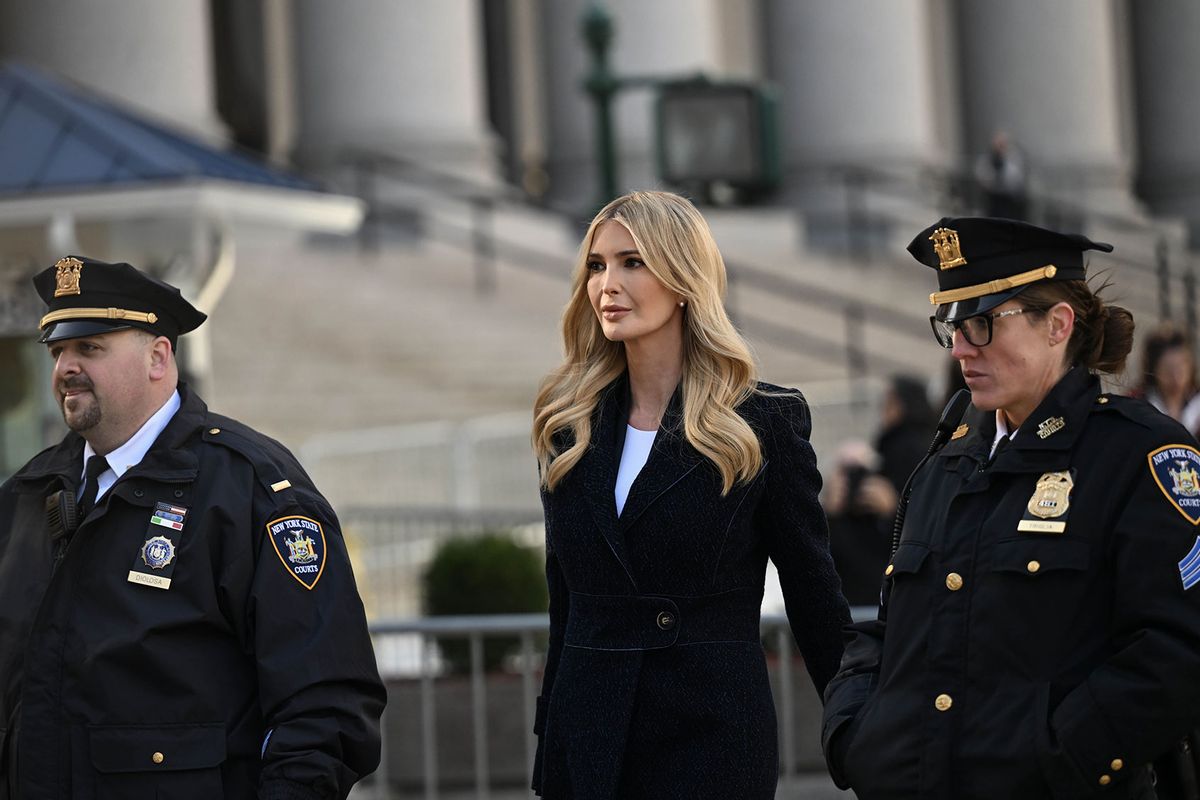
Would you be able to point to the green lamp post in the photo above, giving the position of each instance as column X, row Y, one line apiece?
column 709, row 132
column 602, row 85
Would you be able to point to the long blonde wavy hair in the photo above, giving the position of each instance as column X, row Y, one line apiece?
column 719, row 373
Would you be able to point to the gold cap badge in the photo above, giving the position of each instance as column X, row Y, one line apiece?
column 66, row 276
column 945, row 244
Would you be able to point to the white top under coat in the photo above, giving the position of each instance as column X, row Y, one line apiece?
column 633, row 458
column 133, row 451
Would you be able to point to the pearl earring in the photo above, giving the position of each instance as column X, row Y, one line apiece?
column 681, row 304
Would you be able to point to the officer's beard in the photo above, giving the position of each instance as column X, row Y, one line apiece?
column 84, row 413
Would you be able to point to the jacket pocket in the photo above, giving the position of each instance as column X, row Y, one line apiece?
column 180, row 762
column 1038, row 556
column 908, row 558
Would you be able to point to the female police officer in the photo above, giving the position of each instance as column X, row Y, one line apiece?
column 1039, row 636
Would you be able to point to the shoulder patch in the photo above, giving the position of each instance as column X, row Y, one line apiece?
column 300, row 544
column 1176, row 470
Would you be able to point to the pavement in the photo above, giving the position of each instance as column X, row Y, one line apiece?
column 803, row 787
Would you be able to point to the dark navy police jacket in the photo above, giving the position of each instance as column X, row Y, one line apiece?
column 251, row 675
column 656, row 683
column 1040, row 638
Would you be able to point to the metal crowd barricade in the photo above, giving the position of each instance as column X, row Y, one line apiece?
column 527, row 628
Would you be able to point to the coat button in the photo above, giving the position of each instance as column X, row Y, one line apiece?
column 139, row 493
column 1117, row 764
column 157, row 758
column 954, row 581
column 890, row 569
column 214, row 431
column 666, row 620
column 179, row 492
column 1033, row 566
column 943, row 702
column 1105, row 780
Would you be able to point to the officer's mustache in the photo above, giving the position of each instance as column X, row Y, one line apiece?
column 77, row 383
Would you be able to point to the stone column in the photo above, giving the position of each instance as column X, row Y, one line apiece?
column 397, row 77
column 663, row 38
column 155, row 56
column 1166, row 63
column 863, row 83
column 1056, row 77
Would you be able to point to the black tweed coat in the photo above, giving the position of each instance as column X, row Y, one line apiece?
column 655, row 683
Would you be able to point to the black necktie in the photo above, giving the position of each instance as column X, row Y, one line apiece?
column 91, row 472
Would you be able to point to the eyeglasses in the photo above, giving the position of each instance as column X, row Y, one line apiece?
column 977, row 330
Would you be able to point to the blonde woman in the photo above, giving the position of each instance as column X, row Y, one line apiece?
column 669, row 476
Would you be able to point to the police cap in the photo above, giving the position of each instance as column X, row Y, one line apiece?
column 983, row 261
column 88, row 297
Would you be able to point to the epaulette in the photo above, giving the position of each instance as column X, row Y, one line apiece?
column 251, row 447
column 1132, row 408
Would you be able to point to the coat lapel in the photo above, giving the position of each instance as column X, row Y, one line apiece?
column 600, row 471
column 1046, row 439
column 670, row 460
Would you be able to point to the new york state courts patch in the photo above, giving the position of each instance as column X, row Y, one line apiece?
column 1176, row 470
column 300, row 544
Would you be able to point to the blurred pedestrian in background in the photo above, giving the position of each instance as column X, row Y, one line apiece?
column 1002, row 175
column 669, row 476
column 1169, row 376
column 865, row 485
column 1039, row 635
column 906, row 425
column 178, row 616
column 859, row 502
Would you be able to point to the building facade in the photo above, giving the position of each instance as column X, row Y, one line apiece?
column 1097, row 94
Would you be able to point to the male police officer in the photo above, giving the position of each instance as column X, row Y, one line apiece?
column 178, row 618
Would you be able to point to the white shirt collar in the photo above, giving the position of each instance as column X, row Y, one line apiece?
column 1001, row 431
column 133, row 451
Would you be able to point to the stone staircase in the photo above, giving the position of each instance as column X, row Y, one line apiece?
column 320, row 338
column 316, row 340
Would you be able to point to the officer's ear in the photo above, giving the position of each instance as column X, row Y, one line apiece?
column 1062, row 323
column 161, row 358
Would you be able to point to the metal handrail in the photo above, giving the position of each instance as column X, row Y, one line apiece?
column 489, row 249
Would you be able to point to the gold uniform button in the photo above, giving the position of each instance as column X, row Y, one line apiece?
column 1033, row 566
column 1102, row 400
column 214, row 431
column 157, row 758
column 1105, row 780
column 890, row 569
column 1117, row 764
column 954, row 581
column 943, row 702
